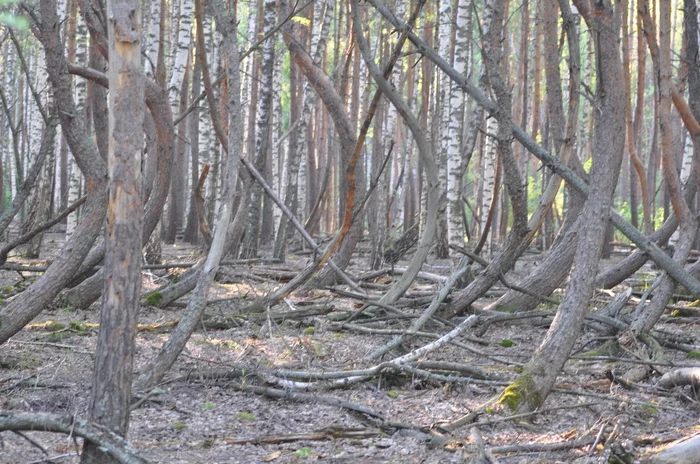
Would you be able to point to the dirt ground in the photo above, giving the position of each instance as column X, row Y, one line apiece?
column 198, row 419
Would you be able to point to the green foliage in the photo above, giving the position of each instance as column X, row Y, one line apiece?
column 208, row 405
column 9, row 19
column 694, row 355
column 303, row 452
column 309, row 331
column 393, row 394
column 154, row 299
column 306, row 22
column 208, row 443
column 179, row 426
column 506, row 343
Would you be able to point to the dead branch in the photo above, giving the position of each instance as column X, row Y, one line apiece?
column 111, row 443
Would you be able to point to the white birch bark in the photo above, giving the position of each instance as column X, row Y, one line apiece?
column 443, row 140
column 151, row 49
column 455, row 228
column 278, row 159
column 74, row 174
column 488, row 173
column 182, row 49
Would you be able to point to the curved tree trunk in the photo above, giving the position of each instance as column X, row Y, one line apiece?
column 155, row 370
column 530, row 390
column 19, row 312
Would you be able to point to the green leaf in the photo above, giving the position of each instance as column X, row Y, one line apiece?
column 507, row 343
column 303, row 452
column 208, row 405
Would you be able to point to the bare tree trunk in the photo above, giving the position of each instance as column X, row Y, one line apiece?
column 111, row 389
column 531, row 388
column 19, row 312
column 155, row 370
column 192, row 228
column 427, row 159
column 262, row 135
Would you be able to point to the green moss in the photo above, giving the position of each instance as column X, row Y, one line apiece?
column 524, row 387
column 179, row 426
column 154, row 298
column 609, row 348
column 78, row 327
column 208, row 443
column 309, row 331
column 246, row 416
column 392, row 394
column 694, row 355
column 506, row 343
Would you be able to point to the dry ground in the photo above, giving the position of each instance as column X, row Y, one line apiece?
column 200, row 421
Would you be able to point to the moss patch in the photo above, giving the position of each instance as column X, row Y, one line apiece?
column 523, row 388
column 154, row 299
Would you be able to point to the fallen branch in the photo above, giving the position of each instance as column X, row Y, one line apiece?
column 331, row 433
column 109, row 442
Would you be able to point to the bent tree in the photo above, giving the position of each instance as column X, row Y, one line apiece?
column 531, row 388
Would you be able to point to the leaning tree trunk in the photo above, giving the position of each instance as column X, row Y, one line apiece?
column 19, row 312
column 111, row 389
column 531, row 388
column 688, row 224
column 426, row 156
column 155, row 370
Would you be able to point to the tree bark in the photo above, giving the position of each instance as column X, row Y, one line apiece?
column 111, row 389
column 530, row 390
column 155, row 370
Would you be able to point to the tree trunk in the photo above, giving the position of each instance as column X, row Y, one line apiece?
column 111, row 389
column 262, row 135
column 155, row 370
column 19, row 312
column 531, row 388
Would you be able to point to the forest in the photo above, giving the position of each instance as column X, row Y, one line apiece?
column 377, row 231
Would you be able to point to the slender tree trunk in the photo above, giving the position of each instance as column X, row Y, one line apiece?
column 111, row 390
column 262, row 134
column 155, row 370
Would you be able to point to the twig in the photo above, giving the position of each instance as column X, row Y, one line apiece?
column 32, row 442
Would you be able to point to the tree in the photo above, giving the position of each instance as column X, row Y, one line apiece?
column 111, row 392
column 531, row 388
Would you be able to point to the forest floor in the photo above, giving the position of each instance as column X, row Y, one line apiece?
column 199, row 417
